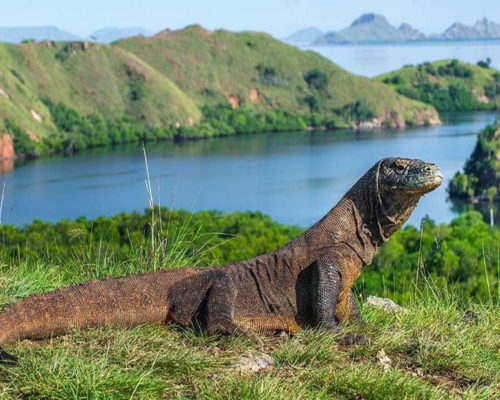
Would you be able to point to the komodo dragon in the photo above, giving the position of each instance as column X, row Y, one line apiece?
column 305, row 283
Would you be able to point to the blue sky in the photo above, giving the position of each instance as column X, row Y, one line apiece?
column 278, row 17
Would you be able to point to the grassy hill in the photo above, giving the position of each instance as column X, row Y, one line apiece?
column 192, row 82
column 444, row 347
column 448, row 85
column 89, row 78
column 254, row 69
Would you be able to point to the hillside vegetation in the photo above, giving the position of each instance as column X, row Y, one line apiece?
column 448, row 85
column 481, row 176
column 187, row 83
column 445, row 346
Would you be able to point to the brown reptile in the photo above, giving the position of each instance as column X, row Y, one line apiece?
column 305, row 283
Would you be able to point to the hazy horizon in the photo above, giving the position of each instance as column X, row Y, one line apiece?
column 84, row 17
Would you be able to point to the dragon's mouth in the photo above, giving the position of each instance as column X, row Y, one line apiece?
column 432, row 182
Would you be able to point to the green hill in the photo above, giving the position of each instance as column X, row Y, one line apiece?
column 69, row 96
column 254, row 69
column 449, row 85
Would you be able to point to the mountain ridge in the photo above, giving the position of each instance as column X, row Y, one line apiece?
column 374, row 28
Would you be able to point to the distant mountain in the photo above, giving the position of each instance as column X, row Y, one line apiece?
column 305, row 36
column 374, row 28
column 112, row 34
column 410, row 33
column 371, row 28
column 37, row 33
column 482, row 29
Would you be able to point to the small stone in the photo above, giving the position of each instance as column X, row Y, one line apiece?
column 470, row 317
column 384, row 304
column 383, row 360
column 254, row 362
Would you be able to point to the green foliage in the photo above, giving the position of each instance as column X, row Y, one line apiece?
column 357, row 111
column 448, row 85
column 22, row 142
column 77, row 132
column 316, row 79
column 462, row 254
column 484, row 63
column 225, row 120
column 136, row 84
column 455, row 97
column 268, row 75
column 482, row 170
column 455, row 68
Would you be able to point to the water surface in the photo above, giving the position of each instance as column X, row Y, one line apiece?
column 294, row 177
column 372, row 60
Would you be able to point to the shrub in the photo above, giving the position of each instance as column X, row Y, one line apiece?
column 316, row 79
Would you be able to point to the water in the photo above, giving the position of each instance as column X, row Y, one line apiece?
column 294, row 177
column 372, row 60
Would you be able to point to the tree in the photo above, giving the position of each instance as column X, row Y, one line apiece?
column 316, row 79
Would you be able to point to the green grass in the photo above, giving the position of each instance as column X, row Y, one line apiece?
column 434, row 353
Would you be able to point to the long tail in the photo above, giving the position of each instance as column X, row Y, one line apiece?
column 125, row 302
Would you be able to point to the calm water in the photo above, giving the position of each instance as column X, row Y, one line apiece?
column 294, row 177
column 372, row 60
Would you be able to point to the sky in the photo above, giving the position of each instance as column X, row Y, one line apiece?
column 278, row 17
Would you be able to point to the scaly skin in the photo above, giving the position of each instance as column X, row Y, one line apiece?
column 305, row 283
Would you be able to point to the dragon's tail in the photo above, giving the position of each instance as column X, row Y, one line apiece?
column 125, row 302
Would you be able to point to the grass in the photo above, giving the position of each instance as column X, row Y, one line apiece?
column 434, row 352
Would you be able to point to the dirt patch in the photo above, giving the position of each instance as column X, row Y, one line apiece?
column 254, row 95
column 453, row 383
column 33, row 136
column 136, row 69
column 481, row 97
column 7, row 147
column 234, row 101
column 4, row 93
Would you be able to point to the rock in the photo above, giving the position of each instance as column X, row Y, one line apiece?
column 4, row 93
column 7, row 147
column 470, row 317
column 383, row 360
column 37, row 117
column 375, row 123
column 254, row 362
column 384, row 304
column 352, row 339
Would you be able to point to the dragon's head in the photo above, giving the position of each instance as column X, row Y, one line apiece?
column 400, row 183
column 407, row 177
